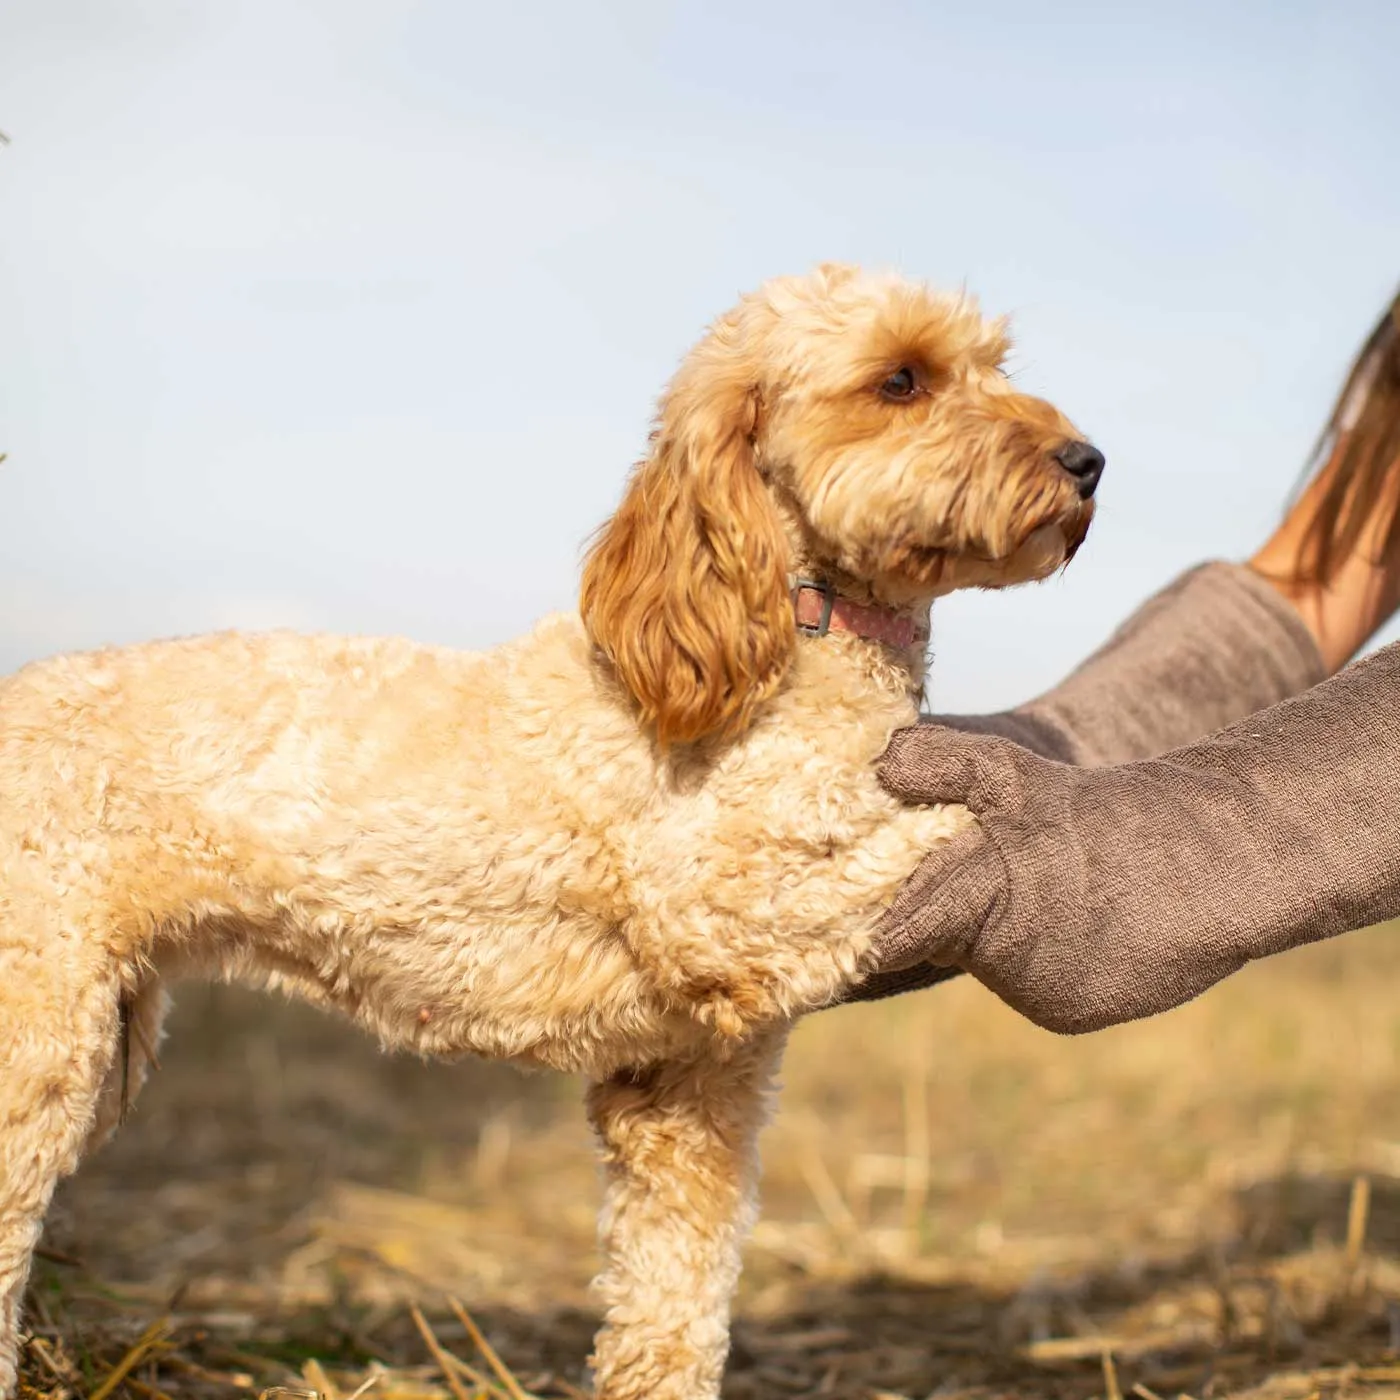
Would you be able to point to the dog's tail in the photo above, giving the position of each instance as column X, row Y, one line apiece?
column 1353, row 474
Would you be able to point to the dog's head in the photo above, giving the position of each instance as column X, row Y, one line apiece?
column 862, row 425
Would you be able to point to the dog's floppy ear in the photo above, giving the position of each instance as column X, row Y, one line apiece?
column 685, row 589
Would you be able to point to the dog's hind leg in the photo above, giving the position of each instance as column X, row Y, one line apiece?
column 680, row 1142
column 59, row 1027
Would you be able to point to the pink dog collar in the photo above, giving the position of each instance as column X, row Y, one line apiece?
column 820, row 610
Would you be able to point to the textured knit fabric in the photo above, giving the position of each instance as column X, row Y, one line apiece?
column 1090, row 896
column 1216, row 645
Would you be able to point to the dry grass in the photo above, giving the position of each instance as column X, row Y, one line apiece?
column 956, row 1205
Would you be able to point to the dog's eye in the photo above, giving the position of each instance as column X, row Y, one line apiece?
column 900, row 385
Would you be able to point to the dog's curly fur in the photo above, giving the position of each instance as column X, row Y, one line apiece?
column 635, row 844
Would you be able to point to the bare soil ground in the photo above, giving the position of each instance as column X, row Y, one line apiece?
column 956, row 1204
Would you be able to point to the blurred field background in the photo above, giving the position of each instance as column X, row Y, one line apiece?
column 956, row 1204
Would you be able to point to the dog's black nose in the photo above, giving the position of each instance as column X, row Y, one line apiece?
column 1084, row 463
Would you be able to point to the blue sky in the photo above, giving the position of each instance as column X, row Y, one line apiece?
column 352, row 316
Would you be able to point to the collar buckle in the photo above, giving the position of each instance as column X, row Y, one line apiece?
column 828, row 595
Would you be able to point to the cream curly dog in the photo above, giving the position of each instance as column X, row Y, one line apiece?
column 636, row 843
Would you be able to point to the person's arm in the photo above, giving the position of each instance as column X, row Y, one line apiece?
column 1218, row 643
column 1090, row 896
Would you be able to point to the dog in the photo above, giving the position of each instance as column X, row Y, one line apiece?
column 636, row 843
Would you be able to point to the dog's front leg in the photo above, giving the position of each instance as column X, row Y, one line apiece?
column 59, row 1034
column 680, row 1142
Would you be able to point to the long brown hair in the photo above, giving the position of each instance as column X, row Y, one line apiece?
column 1355, row 464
